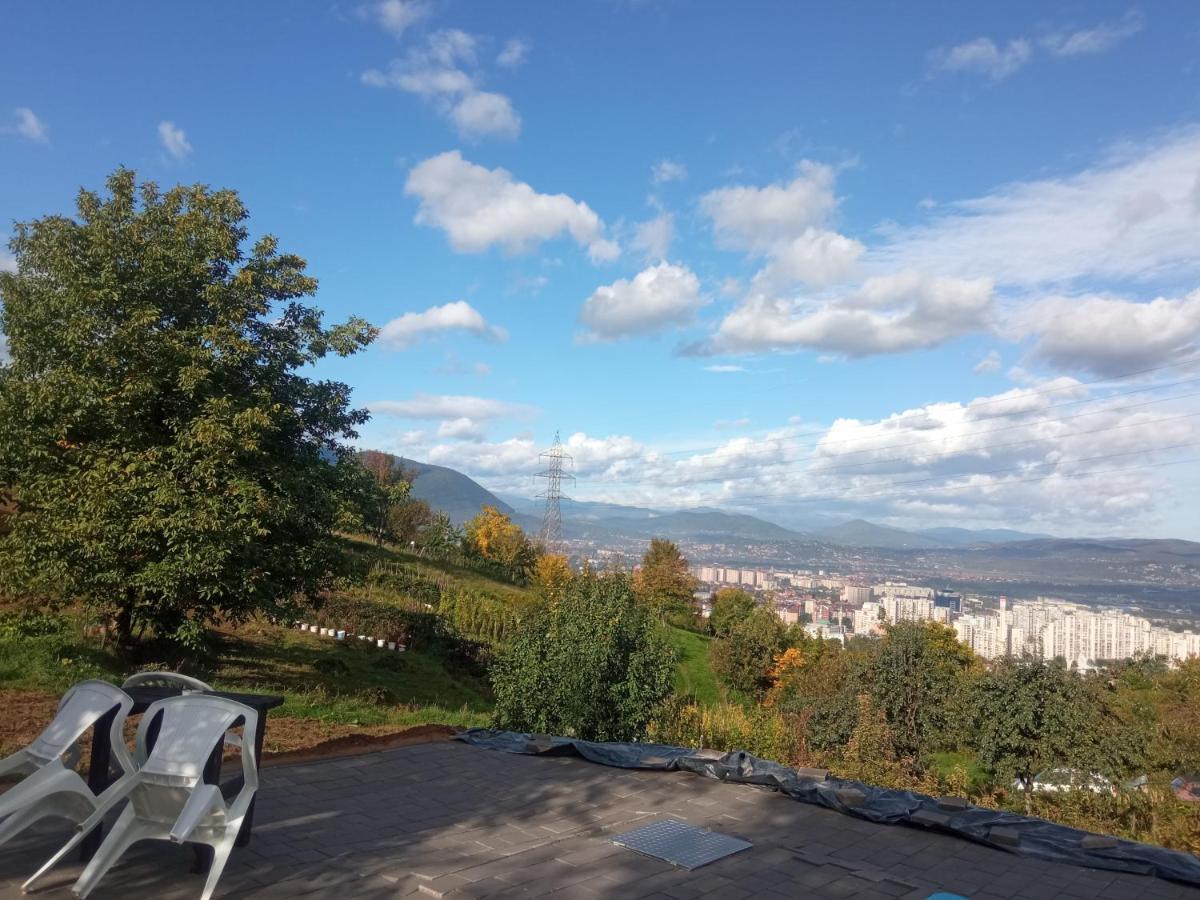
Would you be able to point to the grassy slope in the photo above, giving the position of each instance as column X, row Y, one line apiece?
column 694, row 674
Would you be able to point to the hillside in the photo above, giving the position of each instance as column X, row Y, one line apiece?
column 861, row 533
column 451, row 492
column 966, row 536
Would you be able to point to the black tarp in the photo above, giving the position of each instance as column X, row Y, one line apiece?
column 885, row 806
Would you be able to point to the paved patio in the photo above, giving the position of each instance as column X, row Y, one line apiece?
column 450, row 820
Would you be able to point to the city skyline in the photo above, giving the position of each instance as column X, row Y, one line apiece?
column 947, row 278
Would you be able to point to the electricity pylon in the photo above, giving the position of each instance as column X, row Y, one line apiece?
column 551, row 533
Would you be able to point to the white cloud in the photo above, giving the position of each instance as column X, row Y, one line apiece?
column 887, row 314
column 173, row 139
column 656, row 298
column 449, row 408
column 401, row 333
column 786, row 224
column 725, row 368
column 983, row 56
column 1110, row 336
column 396, row 16
column 486, row 113
column 1098, row 39
column 816, row 257
column 654, row 237
column 668, row 170
column 1132, row 215
column 990, row 363
column 758, row 219
column 29, row 126
column 462, row 429
column 444, row 72
column 514, row 53
column 480, row 208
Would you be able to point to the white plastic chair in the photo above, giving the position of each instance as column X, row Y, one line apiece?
column 51, row 788
column 166, row 679
column 168, row 798
column 173, row 680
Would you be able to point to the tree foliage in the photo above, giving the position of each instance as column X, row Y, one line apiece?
column 166, row 458
column 497, row 538
column 729, row 606
column 744, row 657
column 594, row 665
column 915, row 680
column 663, row 581
column 1031, row 717
column 552, row 575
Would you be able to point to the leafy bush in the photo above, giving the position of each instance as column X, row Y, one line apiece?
column 592, row 665
column 766, row 733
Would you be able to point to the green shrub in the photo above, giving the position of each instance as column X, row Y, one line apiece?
column 592, row 665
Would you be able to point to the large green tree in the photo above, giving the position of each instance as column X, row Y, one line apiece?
column 1033, row 716
column 663, row 581
column 592, row 664
column 916, row 680
column 729, row 606
column 746, row 655
column 168, row 460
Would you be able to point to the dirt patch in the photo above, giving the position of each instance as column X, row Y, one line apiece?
column 352, row 743
column 26, row 713
column 288, row 739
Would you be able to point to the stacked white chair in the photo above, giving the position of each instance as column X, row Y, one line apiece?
column 167, row 796
column 166, row 679
column 51, row 788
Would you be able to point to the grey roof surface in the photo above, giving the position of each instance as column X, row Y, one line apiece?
column 451, row 820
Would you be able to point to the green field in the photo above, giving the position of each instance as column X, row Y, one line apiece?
column 694, row 675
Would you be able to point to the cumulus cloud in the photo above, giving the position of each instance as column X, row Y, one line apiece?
column 654, row 237
column 815, row 257
column 886, row 314
column 444, row 71
column 174, row 140
column 1109, row 335
column 396, row 16
column 29, row 126
column 401, row 333
column 984, row 56
column 668, row 170
column 513, row 53
column 458, row 417
column 759, row 218
column 480, row 208
column 654, row 299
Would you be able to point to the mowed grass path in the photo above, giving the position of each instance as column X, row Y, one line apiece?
column 694, row 675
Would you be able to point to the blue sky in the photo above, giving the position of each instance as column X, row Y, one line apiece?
column 901, row 261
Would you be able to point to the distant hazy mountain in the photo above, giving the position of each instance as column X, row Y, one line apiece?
column 860, row 533
column 950, row 535
column 693, row 523
column 451, row 492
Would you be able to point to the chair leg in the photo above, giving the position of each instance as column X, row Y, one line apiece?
column 125, row 831
column 221, row 851
column 74, row 807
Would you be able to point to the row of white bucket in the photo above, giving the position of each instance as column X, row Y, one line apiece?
column 340, row 635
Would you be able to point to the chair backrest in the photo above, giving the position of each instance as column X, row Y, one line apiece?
column 80, row 708
column 169, row 679
column 190, row 727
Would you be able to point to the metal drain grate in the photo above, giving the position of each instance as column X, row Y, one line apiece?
column 681, row 844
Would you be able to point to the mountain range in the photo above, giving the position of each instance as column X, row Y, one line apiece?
column 460, row 497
